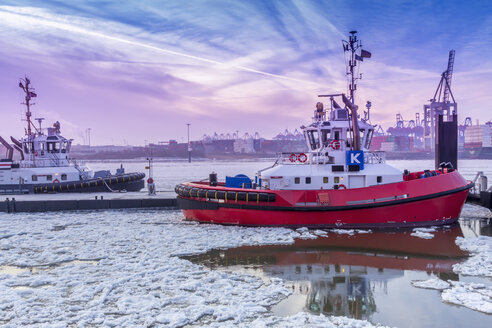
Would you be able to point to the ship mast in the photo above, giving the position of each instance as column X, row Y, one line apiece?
column 350, row 47
column 24, row 84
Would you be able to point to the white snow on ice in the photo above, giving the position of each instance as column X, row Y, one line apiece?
column 471, row 295
column 471, row 211
column 424, row 233
column 433, row 283
column 120, row 268
column 480, row 261
column 343, row 231
column 474, row 296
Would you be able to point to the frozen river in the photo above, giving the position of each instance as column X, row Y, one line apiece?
column 151, row 268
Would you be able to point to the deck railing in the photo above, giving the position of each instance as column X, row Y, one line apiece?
column 374, row 157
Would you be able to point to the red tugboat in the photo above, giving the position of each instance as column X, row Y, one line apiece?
column 337, row 183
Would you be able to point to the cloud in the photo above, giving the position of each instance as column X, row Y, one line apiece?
column 149, row 69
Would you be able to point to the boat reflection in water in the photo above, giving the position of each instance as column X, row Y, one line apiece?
column 339, row 274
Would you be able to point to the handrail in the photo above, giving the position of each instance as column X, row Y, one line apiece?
column 482, row 183
column 375, row 157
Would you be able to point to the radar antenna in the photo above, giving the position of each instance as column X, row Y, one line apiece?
column 24, row 84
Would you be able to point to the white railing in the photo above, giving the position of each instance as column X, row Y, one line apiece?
column 374, row 157
column 79, row 166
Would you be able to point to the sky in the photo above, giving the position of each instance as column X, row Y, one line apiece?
column 136, row 72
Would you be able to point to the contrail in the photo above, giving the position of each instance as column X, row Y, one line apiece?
column 63, row 26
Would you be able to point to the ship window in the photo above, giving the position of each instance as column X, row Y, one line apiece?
column 313, row 139
column 64, row 147
column 368, row 138
column 49, row 177
column 325, row 137
column 34, row 177
column 379, row 179
column 362, row 133
column 64, row 176
column 336, row 180
column 52, row 147
column 336, row 134
column 348, row 138
column 297, row 180
column 29, row 147
column 308, row 180
column 325, row 179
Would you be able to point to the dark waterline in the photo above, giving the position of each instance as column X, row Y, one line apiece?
column 364, row 276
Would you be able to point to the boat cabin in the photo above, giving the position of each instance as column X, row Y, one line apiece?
column 332, row 160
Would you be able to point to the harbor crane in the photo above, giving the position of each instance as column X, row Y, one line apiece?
column 443, row 103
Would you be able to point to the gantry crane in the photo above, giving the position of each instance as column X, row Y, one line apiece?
column 440, row 104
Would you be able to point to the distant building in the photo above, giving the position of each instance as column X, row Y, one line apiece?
column 244, row 146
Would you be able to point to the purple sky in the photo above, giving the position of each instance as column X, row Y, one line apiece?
column 135, row 71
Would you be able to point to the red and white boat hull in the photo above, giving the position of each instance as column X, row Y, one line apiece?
column 435, row 200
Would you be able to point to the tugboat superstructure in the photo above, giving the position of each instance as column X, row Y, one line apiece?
column 338, row 182
column 45, row 164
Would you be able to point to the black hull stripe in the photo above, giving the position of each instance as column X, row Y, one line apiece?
column 186, row 203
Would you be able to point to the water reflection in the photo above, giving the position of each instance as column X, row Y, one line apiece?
column 341, row 274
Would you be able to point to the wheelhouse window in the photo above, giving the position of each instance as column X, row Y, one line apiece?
column 64, row 147
column 362, row 133
column 369, row 138
column 313, row 139
column 28, row 147
column 348, row 137
column 325, row 137
column 53, row 147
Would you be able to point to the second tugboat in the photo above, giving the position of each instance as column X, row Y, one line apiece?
column 45, row 164
column 337, row 183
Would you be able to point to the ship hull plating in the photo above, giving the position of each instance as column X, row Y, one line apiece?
column 423, row 202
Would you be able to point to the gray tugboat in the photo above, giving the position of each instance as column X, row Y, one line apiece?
column 45, row 164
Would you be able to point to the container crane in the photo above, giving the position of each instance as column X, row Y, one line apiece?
column 440, row 104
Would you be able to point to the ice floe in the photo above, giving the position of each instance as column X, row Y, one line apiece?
column 434, row 283
column 424, row 233
column 471, row 295
column 480, row 261
column 475, row 211
column 474, row 296
column 306, row 320
column 344, row 231
column 120, row 268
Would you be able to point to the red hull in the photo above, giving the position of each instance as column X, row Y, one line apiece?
column 399, row 251
column 418, row 202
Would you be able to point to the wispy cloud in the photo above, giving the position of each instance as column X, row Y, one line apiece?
column 242, row 65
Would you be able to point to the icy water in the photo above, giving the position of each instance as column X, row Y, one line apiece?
column 152, row 268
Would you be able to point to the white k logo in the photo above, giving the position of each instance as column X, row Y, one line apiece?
column 354, row 158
